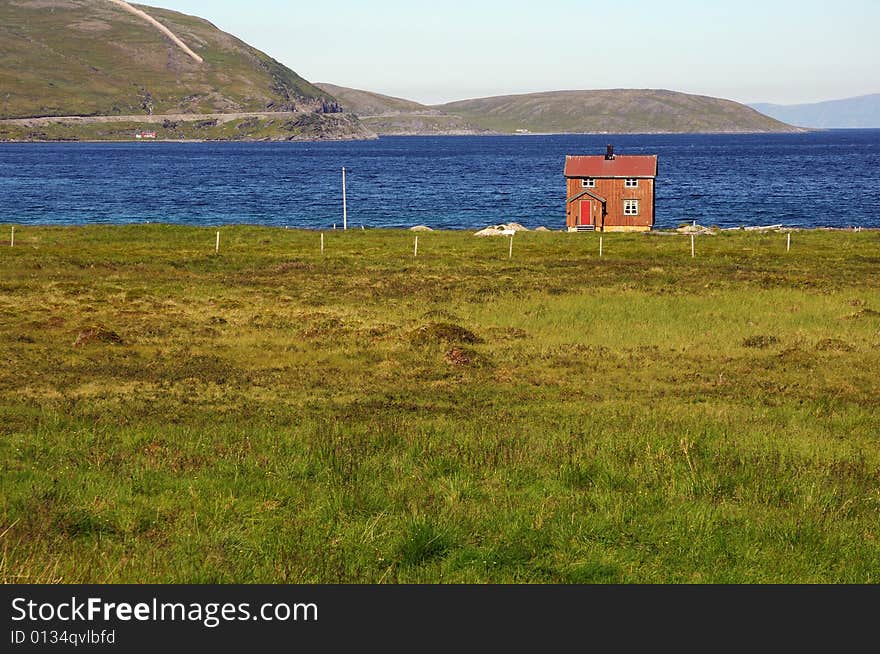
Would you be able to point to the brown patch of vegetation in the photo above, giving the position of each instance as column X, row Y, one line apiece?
column 460, row 356
column 760, row 342
column 322, row 324
column 97, row 335
column 834, row 345
column 865, row 313
column 289, row 266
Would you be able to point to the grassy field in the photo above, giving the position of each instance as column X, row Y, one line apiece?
column 270, row 414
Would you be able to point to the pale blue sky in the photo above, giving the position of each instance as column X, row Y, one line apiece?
column 781, row 51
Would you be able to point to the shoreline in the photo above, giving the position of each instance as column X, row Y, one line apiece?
column 134, row 121
column 671, row 231
column 426, row 135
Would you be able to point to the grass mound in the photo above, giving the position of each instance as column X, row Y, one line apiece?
column 443, row 332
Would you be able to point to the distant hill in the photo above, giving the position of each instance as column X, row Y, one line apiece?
column 97, row 58
column 863, row 111
column 613, row 111
column 387, row 115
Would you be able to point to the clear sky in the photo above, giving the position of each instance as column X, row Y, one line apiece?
column 784, row 51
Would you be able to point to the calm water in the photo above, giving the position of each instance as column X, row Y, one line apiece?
column 818, row 179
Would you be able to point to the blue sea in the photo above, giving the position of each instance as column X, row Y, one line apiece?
column 828, row 178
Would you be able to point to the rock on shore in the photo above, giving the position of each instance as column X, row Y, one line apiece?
column 505, row 229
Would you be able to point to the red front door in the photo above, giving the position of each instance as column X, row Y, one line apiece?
column 586, row 217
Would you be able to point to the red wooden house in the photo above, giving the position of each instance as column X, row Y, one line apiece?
column 610, row 193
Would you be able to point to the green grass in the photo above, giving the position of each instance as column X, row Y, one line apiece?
column 272, row 415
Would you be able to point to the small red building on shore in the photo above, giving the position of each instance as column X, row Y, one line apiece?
column 610, row 192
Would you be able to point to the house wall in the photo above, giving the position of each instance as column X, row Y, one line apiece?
column 615, row 192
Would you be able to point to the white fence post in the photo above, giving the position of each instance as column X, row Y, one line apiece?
column 344, row 204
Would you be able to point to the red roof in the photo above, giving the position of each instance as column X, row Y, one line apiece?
column 622, row 165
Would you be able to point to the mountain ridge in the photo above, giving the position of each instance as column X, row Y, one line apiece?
column 861, row 111
column 566, row 111
column 614, row 111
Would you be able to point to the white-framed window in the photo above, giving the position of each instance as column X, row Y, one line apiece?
column 630, row 207
column 631, row 182
column 589, row 182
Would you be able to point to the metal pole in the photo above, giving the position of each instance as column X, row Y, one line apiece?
column 217, row 247
column 416, row 250
column 510, row 254
column 344, row 204
column 600, row 247
column 12, row 238
column 788, row 245
column 322, row 243
column 693, row 251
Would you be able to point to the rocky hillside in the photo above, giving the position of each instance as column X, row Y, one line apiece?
column 96, row 58
column 367, row 103
column 392, row 116
column 613, row 111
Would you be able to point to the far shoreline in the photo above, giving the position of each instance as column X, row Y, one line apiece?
column 402, row 136
column 487, row 134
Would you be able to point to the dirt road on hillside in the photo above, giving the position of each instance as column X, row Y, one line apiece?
column 143, row 118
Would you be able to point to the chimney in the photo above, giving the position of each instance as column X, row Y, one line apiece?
column 609, row 153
